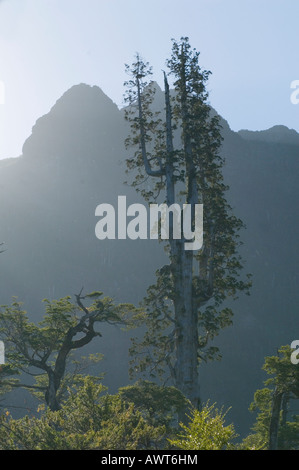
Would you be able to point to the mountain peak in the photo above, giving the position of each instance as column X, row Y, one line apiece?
column 82, row 98
column 75, row 114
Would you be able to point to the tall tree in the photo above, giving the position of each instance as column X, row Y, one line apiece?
column 179, row 149
column 276, row 426
column 285, row 378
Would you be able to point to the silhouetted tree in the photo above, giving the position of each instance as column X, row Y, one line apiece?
column 276, row 426
column 66, row 327
column 180, row 151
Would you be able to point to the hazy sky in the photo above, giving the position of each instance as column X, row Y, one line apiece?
column 46, row 46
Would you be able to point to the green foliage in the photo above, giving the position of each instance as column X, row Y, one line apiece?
column 206, row 431
column 89, row 419
column 138, row 417
column 160, row 406
column 74, row 375
column 285, row 375
column 284, row 379
column 259, row 438
column 48, row 346
column 7, row 380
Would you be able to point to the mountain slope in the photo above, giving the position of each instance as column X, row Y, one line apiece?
column 75, row 160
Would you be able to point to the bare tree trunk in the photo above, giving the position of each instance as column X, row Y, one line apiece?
column 284, row 413
column 186, row 367
column 51, row 392
column 275, row 418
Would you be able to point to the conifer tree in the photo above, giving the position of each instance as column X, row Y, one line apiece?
column 177, row 155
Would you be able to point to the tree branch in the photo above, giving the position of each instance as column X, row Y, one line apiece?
column 146, row 162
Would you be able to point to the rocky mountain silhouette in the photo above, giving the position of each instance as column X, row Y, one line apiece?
column 74, row 160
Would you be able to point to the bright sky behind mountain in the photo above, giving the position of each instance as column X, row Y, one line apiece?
column 47, row 46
